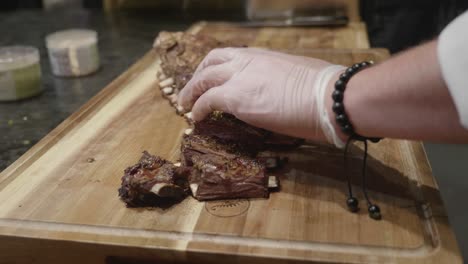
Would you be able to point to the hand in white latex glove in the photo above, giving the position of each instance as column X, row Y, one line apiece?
column 279, row 92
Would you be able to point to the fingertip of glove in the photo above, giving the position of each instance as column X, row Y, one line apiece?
column 197, row 115
column 183, row 101
column 200, row 109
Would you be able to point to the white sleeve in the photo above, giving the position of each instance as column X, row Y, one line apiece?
column 452, row 51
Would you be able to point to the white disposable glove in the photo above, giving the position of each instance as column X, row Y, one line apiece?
column 279, row 92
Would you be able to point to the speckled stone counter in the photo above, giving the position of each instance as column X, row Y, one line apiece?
column 123, row 39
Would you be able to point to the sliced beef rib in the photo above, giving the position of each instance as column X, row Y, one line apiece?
column 154, row 181
column 222, row 171
column 216, row 177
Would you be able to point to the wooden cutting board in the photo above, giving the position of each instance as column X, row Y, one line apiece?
column 59, row 201
column 352, row 36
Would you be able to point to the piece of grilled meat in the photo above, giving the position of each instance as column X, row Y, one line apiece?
column 154, row 181
column 222, row 170
column 216, row 177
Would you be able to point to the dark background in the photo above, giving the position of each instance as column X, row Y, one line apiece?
column 125, row 36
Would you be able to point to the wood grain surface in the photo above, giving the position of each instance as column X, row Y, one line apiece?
column 59, row 201
column 352, row 36
column 314, row 7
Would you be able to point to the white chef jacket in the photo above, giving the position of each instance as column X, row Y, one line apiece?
column 452, row 51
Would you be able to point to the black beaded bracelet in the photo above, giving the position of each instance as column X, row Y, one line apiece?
column 343, row 121
column 338, row 107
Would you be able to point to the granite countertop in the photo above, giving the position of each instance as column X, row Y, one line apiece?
column 123, row 39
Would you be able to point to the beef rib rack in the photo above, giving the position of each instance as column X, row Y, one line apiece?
column 218, row 154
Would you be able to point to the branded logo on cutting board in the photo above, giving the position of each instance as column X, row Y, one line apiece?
column 228, row 208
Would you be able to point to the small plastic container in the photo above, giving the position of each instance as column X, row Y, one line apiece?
column 73, row 52
column 20, row 73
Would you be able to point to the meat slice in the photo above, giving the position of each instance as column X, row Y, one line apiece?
column 154, row 181
column 222, row 170
column 216, row 177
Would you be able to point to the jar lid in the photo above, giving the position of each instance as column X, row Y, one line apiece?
column 14, row 57
column 71, row 38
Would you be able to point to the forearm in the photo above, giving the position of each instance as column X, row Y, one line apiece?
column 404, row 97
